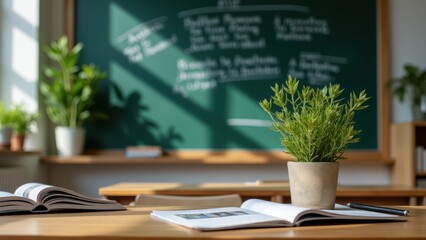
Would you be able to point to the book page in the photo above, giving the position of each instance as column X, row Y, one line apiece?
column 44, row 193
column 297, row 215
column 6, row 194
column 31, row 190
column 279, row 210
column 219, row 218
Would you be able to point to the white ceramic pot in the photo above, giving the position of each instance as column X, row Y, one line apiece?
column 5, row 137
column 69, row 141
column 313, row 184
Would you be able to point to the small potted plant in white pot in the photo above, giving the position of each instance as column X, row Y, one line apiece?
column 316, row 128
column 68, row 95
column 5, row 128
column 21, row 122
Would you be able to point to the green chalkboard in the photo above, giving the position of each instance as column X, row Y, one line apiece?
column 189, row 74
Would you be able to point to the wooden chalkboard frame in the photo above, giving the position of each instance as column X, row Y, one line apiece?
column 381, row 155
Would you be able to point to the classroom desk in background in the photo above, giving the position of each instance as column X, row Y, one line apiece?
column 136, row 223
column 278, row 192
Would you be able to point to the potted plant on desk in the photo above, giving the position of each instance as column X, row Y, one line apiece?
column 316, row 128
column 68, row 95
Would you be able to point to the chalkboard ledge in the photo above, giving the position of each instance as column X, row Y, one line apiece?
column 204, row 157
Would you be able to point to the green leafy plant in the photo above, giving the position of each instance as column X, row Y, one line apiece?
column 413, row 80
column 22, row 120
column 69, row 94
column 4, row 116
column 314, row 124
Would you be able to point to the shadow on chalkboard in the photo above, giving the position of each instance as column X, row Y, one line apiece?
column 129, row 122
column 126, row 118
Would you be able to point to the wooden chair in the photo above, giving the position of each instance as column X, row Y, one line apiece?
column 229, row 200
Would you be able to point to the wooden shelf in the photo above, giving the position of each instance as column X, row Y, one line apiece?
column 404, row 139
column 233, row 157
column 19, row 153
column 417, row 123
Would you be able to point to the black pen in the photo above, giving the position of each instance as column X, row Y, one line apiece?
column 400, row 212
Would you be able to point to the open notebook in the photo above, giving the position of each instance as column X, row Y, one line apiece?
column 261, row 213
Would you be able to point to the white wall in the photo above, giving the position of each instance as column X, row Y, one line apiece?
column 408, row 45
column 408, row 37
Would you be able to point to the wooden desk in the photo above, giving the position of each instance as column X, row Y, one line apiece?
column 136, row 223
column 279, row 192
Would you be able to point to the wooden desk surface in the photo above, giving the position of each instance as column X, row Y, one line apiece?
column 136, row 223
column 388, row 195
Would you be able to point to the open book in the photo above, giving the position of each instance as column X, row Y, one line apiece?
column 261, row 213
column 38, row 198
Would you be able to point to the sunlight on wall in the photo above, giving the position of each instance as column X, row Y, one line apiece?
column 20, row 96
column 27, row 9
column 19, row 40
column 24, row 55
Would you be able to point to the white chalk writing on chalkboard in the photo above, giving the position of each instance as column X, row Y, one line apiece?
column 299, row 29
column 200, row 75
column 227, row 30
column 318, row 69
column 209, row 33
column 141, row 41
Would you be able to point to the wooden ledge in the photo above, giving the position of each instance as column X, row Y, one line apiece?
column 19, row 153
column 206, row 157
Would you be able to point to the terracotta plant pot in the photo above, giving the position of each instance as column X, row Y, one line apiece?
column 17, row 142
column 313, row 184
